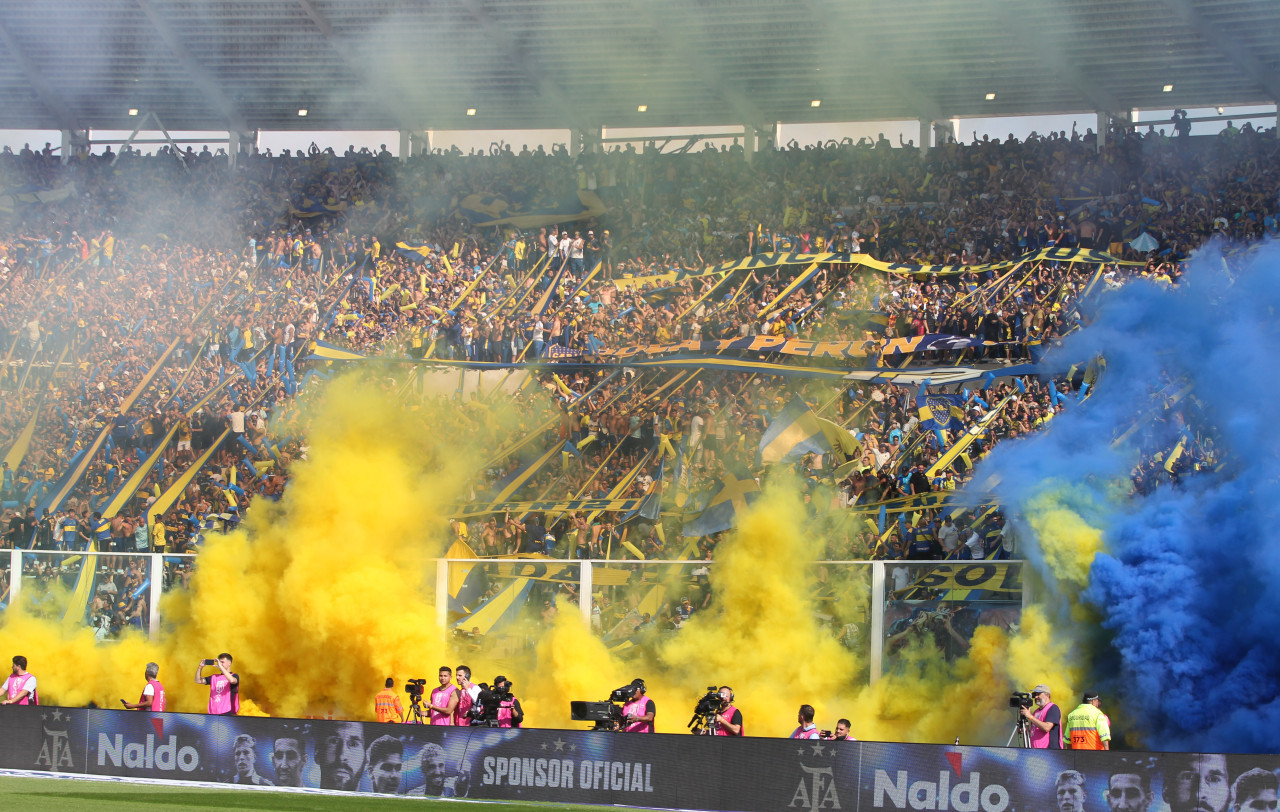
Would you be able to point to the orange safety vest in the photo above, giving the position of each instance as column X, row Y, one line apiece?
column 387, row 707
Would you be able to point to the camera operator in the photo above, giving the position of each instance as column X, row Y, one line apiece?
column 729, row 719
column 807, row 729
column 840, row 734
column 510, row 714
column 638, row 713
column 444, row 700
column 1045, row 720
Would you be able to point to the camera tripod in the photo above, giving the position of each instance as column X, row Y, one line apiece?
column 415, row 711
column 1019, row 731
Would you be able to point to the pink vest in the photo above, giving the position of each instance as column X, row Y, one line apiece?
column 1039, row 739
column 728, row 714
column 636, row 707
column 506, row 710
column 440, row 698
column 13, row 685
column 224, row 698
column 464, row 704
column 802, row 733
column 157, row 695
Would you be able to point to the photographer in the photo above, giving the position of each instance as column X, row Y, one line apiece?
column 728, row 720
column 638, row 713
column 510, row 714
column 224, row 687
column 1045, row 720
column 841, row 733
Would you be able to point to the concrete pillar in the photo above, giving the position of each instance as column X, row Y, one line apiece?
column 749, row 142
column 575, row 143
column 926, row 135
column 406, row 145
column 1103, row 125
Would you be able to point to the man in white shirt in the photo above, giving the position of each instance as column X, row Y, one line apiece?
column 20, row 687
column 948, row 535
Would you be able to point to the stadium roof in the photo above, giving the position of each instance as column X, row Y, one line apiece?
column 404, row 64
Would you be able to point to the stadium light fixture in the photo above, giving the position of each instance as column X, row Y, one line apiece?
column 1168, row 88
column 991, row 97
column 643, row 108
column 133, row 111
column 302, row 112
column 816, row 103
column 471, row 111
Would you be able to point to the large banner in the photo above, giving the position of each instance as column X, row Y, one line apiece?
column 776, row 259
column 654, row 771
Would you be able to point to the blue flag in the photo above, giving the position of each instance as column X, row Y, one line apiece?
column 732, row 497
column 941, row 412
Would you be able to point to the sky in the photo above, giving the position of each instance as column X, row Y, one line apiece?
column 466, row 140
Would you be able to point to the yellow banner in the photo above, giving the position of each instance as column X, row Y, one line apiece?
column 777, row 259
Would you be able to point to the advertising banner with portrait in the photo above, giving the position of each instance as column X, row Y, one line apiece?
column 654, row 770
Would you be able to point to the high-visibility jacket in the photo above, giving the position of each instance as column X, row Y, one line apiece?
column 1086, row 728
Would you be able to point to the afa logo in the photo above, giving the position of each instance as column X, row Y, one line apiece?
column 55, row 747
column 817, row 788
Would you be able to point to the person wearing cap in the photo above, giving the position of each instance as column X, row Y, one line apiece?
column 1087, row 727
column 510, row 714
column 1045, row 721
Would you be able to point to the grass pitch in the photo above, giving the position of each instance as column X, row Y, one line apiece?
column 41, row 794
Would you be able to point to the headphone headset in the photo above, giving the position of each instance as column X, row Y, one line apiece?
column 726, row 687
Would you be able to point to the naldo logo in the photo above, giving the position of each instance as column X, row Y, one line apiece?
column 942, row 795
column 155, row 753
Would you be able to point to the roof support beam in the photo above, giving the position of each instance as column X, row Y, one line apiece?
column 674, row 20
column 840, row 17
column 356, row 66
column 1055, row 61
column 1240, row 57
column 44, row 91
column 204, row 81
column 512, row 50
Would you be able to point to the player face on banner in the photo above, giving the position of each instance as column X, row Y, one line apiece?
column 288, row 759
column 340, row 754
column 385, row 763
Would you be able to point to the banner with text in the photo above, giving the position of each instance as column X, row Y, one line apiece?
column 570, row 766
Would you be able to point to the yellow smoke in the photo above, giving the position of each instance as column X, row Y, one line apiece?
column 319, row 597
column 761, row 635
column 1067, row 542
column 323, row 595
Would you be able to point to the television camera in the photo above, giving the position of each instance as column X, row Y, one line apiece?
column 703, row 722
column 606, row 715
column 484, row 711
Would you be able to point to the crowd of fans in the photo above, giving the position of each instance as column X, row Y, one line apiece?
column 223, row 277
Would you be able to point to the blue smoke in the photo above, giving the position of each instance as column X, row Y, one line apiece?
column 1183, row 593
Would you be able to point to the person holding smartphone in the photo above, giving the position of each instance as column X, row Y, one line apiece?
column 224, row 687
column 152, row 693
